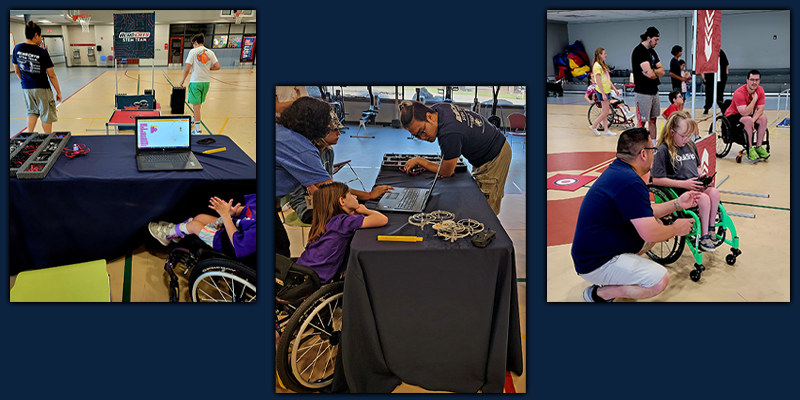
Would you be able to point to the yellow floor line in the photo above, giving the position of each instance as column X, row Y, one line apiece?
column 219, row 132
column 524, row 337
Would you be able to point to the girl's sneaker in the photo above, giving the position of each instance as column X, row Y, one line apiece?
column 610, row 133
column 596, row 132
column 706, row 244
column 175, row 238
column 162, row 232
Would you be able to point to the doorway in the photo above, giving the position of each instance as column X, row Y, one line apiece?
column 55, row 46
column 176, row 50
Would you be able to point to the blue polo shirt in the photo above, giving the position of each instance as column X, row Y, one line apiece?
column 463, row 132
column 33, row 63
column 604, row 227
column 297, row 162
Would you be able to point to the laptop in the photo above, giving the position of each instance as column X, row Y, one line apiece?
column 410, row 200
column 164, row 143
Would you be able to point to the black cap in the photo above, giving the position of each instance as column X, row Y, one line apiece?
column 651, row 32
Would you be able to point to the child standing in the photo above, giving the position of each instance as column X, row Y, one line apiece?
column 677, row 104
column 337, row 216
column 677, row 165
column 236, row 238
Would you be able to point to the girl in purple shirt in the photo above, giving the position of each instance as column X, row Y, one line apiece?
column 337, row 216
column 233, row 233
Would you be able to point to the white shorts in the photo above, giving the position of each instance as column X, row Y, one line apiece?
column 627, row 269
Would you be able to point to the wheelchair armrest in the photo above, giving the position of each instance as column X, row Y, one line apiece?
column 283, row 265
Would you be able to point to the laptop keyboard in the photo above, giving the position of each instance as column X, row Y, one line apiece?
column 174, row 157
column 408, row 199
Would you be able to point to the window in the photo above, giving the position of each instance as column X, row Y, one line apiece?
column 508, row 95
column 249, row 29
column 177, row 29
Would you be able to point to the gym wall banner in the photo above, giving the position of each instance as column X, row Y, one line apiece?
column 709, row 34
column 134, row 35
column 248, row 47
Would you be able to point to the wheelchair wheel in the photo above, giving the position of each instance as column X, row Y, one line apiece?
column 666, row 252
column 723, row 131
column 594, row 112
column 222, row 281
column 306, row 353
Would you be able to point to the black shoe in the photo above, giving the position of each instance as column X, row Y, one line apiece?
column 590, row 295
column 705, row 111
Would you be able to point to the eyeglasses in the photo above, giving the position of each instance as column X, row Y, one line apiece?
column 754, row 80
column 421, row 132
column 655, row 150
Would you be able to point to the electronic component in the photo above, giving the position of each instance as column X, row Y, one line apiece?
column 483, row 239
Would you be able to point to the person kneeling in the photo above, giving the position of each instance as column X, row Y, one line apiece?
column 617, row 224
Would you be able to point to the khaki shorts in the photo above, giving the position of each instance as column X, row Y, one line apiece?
column 627, row 269
column 491, row 177
column 40, row 103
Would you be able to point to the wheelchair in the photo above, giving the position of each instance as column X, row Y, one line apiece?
column 727, row 135
column 308, row 318
column 616, row 114
column 213, row 276
column 669, row 251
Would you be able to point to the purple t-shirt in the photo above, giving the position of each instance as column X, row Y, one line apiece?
column 244, row 240
column 326, row 254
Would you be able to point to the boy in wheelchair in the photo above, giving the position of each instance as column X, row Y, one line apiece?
column 677, row 165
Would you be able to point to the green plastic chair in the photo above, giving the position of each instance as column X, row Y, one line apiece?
column 292, row 219
column 83, row 282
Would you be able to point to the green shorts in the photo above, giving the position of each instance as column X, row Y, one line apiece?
column 40, row 103
column 197, row 92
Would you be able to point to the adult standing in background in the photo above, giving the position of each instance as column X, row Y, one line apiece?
column 647, row 69
column 199, row 62
column 724, row 69
column 33, row 67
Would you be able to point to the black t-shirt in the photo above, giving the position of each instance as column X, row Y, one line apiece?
column 723, row 64
column 644, row 85
column 675, row 68
column 463, row 132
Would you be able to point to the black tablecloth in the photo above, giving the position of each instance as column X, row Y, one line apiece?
column 97, row 206
column 436, row 314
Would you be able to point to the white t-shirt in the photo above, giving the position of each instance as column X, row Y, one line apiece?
column 202, row 59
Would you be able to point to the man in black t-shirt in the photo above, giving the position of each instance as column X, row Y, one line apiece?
column 460, row 132
column 33, row 67
column 709, row 82
column 647, row 69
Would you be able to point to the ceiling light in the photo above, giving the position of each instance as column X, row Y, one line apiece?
column 21, row 16
column 44, row 20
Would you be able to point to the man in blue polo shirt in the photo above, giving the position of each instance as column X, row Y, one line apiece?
column 297, row 160
column 33, row 67
column 617, row 224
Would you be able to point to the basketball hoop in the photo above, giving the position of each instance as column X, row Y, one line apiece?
column 238, row 15
column 84, row 20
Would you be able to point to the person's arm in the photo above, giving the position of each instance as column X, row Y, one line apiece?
column 659, row 71
column 647, row 71
column 224, row 210
column 651, row 230
column 758, row 112
column 16, row 71
column 672, row 75
column 748, row 109
column 376, row 192
column 52, row 75
column 313, row 188
column 215, row 66
column 689, row 184
column 372, row 218
column 280, row 107
column 448, row 166
column 186, row 72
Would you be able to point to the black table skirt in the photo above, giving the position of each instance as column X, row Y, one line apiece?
column 436, row 314
column 97, row 206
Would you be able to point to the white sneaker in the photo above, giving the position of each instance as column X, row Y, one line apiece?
column 196, row 131
column 610, row 133
column 596, row 132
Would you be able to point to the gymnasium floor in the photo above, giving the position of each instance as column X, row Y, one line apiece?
column 366, row 155
column 761, row 273
column 87, row 104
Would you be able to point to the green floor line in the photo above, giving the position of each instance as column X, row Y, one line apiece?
column 126, row 284
column 524, row 280
column 755, row 205
column 138, row 78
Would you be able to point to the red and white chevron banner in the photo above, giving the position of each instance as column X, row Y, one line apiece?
column 709, row 27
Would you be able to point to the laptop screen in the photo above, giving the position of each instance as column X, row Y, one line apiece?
column 162, row 133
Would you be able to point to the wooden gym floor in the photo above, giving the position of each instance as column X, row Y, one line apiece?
column 761, row 273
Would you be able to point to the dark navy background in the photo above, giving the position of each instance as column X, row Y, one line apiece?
column 574, row 350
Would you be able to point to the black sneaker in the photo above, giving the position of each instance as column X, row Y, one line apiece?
column 705, row 111
column 590, row 295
